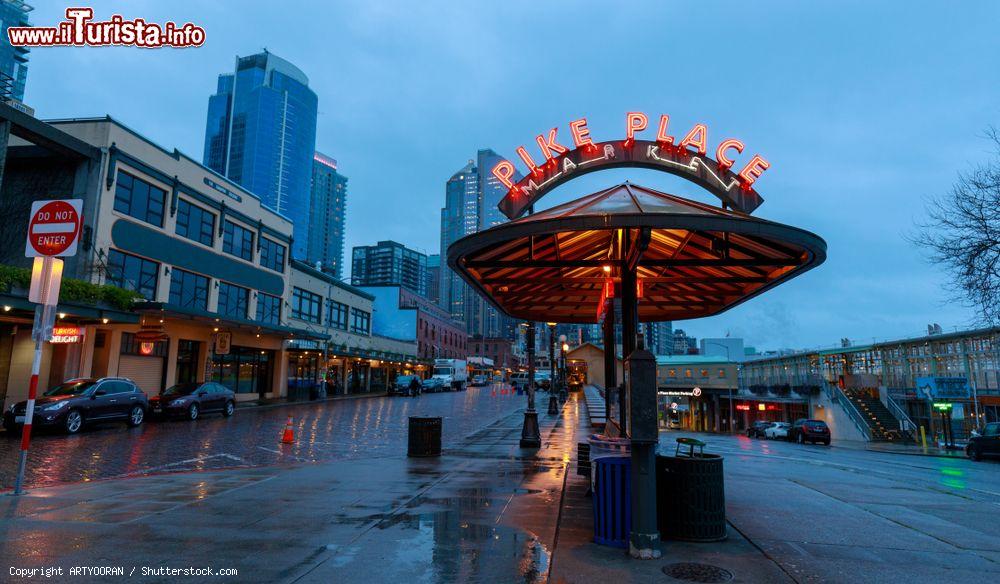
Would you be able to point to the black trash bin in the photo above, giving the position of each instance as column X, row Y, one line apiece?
column 424, row 437
column 690, row 498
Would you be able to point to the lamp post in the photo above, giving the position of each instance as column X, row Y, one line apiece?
column 552, row 355
column 562, row 368
column 732, row 416
column 530, row 435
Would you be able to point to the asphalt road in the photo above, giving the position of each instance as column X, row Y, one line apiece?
column 838, row 514
column 324, row 431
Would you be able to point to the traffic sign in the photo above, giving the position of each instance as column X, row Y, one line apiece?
column 54, row 228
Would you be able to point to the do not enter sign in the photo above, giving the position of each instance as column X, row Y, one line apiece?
column 54, row 228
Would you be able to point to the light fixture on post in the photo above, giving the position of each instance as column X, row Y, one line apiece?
column 531, row 437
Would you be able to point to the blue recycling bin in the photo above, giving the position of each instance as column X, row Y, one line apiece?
column 612, row 500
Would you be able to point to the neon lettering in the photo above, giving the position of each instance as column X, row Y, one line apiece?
column 661, row 134
column 532, row 167
column 549, row 146
column 634, row 122
column 581, row 133
column 697, row 138
column 752, row 171
column 504, row 171
column 720, row 152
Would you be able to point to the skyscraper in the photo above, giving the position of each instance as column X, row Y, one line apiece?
column 471, row 198
column 327, row 206
column 389, row 264
column 659, row 337
column 261, row 133
column 434, row 278
column 13, row 60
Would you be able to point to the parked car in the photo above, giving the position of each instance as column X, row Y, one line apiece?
column 519, row 379
column 434, row 384
column 73, row 404
column 191, row 400
column 756, row 430
column 985, row 444
column 402, row 384
column 479, row 380
column 777, row 430
column 543, row 380
column 575, row 382
column 805, row 430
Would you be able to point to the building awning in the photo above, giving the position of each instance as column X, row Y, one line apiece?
column 75, row 312
column 696, row 260
column 163, row 309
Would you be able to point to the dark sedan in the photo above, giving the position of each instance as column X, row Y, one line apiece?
column 805, row 430
column 985, row 444
column 191, row 400
column 74, row 403
column 756, row 430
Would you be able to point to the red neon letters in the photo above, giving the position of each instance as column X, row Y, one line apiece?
column 695, row 142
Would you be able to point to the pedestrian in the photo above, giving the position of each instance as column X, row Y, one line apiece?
column 414, row 386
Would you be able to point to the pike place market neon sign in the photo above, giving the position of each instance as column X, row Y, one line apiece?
column 686, row 158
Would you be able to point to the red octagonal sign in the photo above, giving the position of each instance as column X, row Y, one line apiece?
column 54, row 229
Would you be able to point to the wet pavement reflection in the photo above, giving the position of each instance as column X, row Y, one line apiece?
column 329, row 430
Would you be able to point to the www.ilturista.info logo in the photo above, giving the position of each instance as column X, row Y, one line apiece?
column 79, row 30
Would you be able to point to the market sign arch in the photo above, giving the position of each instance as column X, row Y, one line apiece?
column 686, row 158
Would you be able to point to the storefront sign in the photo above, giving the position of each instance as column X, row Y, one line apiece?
column 146, row 348
column 944, row 387
column 223, row 342
column 680, row 393
column 743, row 407
column 66, row 334
column 686, row 157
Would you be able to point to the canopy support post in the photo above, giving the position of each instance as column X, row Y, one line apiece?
column 530, row 435
column 610, row 369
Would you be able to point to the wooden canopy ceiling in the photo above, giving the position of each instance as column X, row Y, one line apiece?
column 692, row 259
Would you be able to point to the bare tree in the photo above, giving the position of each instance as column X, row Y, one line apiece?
column 962, row 234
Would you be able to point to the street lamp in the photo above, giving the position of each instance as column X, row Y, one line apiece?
column 552, row 354
column 732, row 416
column 562, row 368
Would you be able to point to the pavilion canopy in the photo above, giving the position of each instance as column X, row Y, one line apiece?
column 691, row 259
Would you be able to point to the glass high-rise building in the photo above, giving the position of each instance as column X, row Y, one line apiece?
column 471, row 198
column 327, row 210
column 13, row 60
column 389, row 263
column 261, row 133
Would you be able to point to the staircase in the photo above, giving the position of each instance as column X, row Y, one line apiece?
column 883, row 424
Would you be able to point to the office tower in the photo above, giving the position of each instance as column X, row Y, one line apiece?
column 434, row 278
column 389, row 263
column 261, row 133
column 471, row 198
column 13, row 60
column 659, row 337
column 327, row 210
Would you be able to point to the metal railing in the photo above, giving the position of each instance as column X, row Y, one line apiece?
column 905, row 423
column 837, row 396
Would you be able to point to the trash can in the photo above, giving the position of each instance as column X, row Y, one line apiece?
column 612, row 500
column 690, row 497
column 424, row 437
column 601, row 445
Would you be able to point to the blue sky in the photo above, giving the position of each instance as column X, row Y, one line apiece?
column 864, row 109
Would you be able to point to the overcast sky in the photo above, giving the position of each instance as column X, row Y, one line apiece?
column 864, row 109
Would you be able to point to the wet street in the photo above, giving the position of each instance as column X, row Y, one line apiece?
column 330, row 430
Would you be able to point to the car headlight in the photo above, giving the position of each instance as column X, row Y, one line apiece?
column 177, row 402
column 56, row 406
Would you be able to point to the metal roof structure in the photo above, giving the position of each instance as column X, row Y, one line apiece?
column 691, row 259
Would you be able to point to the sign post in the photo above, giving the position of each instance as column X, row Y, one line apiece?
column 53, row 232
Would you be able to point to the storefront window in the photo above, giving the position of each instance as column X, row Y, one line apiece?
column 360, row 321
column 268, row 309
column 306, row 305
column 336, row 314
column 195, row 223
column 237, row 240
column 244, row 370
column 137, row 198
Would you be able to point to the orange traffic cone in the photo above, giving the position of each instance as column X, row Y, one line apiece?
column 288, row 436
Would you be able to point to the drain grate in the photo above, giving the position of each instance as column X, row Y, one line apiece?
column 692, row 572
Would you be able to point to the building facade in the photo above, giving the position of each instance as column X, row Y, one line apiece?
column 328, row 216
column 471, row 198
column 389, row 263
column 499, row 350
column 659, row 337
column 218, row 297
column 261, row 134
column 959, row 370
column 434, row 278
column 405, row 315
column 728, row 347
column 13, row 60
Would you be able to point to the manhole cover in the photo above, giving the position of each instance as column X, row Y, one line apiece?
column 697, row 572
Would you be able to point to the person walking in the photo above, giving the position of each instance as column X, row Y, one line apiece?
column 414, row 387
